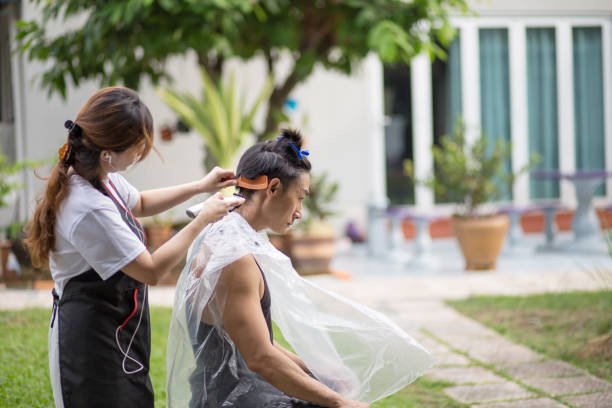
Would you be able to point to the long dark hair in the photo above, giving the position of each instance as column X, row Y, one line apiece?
column 281, row 158
column 113, row 118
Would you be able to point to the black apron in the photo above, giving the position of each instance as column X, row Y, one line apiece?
column 100, row 322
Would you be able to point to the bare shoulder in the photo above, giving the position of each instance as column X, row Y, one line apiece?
column 241, row 275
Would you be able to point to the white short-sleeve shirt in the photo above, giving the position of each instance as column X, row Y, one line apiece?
column 90, row 233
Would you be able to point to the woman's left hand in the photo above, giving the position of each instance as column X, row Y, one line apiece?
column 217, row 179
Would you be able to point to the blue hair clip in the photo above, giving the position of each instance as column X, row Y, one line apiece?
column 299, row 152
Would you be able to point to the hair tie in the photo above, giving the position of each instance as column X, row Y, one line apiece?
column 70, row 125
column 62, row 151
column 299, row 152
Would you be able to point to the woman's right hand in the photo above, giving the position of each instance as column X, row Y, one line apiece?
column 216, row 208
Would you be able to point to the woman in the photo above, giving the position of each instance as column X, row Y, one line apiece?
column 221, row 348
column 85, row 230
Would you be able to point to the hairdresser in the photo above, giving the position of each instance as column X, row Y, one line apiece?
column 85, row 230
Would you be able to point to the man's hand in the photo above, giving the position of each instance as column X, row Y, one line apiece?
column 347, row 403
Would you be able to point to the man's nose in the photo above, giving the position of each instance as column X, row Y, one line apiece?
column 297, row 214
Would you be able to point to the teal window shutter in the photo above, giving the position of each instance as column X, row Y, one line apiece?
column 542, row 108
column 495, row 91
column 588, row 100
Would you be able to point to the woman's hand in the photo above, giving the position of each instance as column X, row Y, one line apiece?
column 217, row 179
column 216, row 208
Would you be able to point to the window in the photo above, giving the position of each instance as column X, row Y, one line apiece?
column 398, row 132
column 446, row 95
column 495, row 91
column 588, row 100
column 542, row 108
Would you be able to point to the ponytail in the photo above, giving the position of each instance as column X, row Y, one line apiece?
column 40, row 229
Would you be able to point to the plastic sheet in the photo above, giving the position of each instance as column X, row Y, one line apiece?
column 349, row 347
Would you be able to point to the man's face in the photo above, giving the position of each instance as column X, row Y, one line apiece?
column 285, row 208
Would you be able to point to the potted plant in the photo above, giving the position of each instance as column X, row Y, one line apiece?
column 8, row 186
column 312, row 246
column 218, row 115
column 158, row 230
column 472, row 174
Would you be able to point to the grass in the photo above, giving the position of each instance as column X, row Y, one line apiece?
column 24, row 377
column 566, row 326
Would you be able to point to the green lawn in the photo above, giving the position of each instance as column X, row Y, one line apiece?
column 24, row 378
column 575, row 326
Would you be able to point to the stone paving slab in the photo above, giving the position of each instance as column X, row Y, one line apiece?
column 543, row 369
column 570, row 385
column 500, row 351
column 530, row 403
column 469, row 394
column 432, row 345
column 597, row 400
column 451, row 359
column 464, row 375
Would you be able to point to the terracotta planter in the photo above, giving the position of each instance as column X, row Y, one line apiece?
column 312, row 254
column 281, row 242
column 6, row 275
column 157, row 235
column 43, row 285
column 480, row 240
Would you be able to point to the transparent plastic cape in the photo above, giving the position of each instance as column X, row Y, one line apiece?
column 351, row 348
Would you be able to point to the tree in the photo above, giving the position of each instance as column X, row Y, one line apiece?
column 126, row 41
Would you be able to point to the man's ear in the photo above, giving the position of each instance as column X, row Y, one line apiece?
column 275, row 187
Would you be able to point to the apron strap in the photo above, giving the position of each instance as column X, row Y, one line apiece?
column 55, row 306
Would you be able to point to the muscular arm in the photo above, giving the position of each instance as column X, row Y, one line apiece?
column 247, row 327
column 293, row 357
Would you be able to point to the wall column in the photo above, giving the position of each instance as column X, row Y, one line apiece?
column 422, row 129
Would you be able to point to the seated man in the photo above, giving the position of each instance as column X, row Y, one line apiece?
column 221, row 350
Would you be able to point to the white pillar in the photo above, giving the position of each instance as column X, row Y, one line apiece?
column 422, row 128
column 518, row 103
column 378, row 178
column 470, row 80
column 18, row 90
column 565, row 98
column 606, row 42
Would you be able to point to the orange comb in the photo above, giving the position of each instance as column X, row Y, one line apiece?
column 258, row 183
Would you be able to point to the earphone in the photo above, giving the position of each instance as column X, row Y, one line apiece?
column 108, row 157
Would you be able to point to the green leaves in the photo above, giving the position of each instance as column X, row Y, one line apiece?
column 336, row 33
column 391, row 42
column 7, row 182
column 100, row 45
column 218, row 115
column 322, row 194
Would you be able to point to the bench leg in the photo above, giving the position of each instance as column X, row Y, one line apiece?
column 514, row 232
column 422, row 240
column 550, row 228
